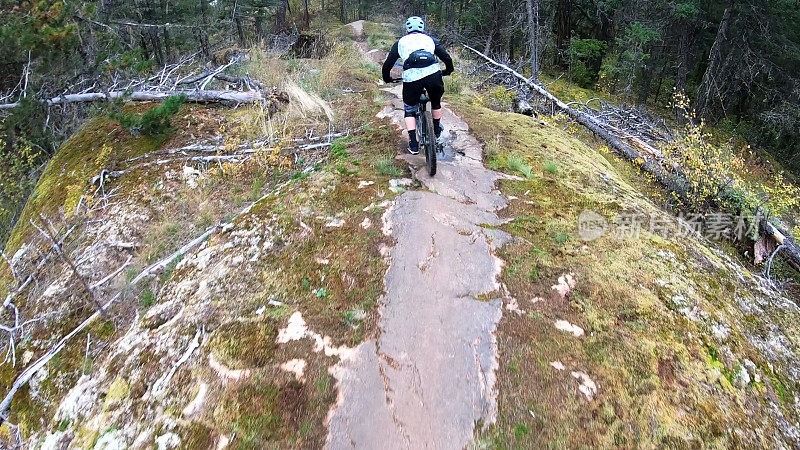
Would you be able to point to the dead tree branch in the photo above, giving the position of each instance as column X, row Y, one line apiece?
column 60, row 252
column 650, row 160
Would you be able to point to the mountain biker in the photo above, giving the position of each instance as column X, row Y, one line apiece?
column 421, row 71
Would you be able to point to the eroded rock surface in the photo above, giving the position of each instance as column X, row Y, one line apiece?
column 429, row 377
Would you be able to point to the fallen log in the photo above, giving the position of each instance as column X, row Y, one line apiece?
column 233, row 97
column 652, row 163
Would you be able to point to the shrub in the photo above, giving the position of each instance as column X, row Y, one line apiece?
column 454, row 84
column 586, row 56
column 716, row 175
column 147, row 298
column 503, row 97
column 17, row 179
column 155, row 121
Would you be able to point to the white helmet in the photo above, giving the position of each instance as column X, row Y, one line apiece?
column 415, row 23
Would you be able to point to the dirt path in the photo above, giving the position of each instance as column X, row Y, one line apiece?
column 429, row 377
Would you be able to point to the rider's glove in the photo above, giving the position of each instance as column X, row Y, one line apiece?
column 446, row 72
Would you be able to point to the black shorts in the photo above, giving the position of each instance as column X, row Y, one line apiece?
column 432, row 83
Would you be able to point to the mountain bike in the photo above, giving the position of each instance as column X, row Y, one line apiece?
column 425, row 132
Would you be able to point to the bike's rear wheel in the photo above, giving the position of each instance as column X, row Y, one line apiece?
column 430, row 148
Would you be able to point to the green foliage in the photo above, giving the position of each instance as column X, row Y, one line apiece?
column 502, row 98
column 550, row 167
column 155, row 121
column 519, row 165
column 716, row 175
column 586, row 56
column 454, row 84
column 339, row 147
column 521, row 431
column 386, row 166
column 147, row 298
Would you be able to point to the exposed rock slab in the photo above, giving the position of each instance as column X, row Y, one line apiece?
column 429, row 377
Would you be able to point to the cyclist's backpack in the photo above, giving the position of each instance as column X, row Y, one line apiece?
column 419, row 59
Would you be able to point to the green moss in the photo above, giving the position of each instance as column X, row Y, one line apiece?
column 65, row 179
column 117, row 392
column 196, row 436
column 244, row 345
column 147, row 298
column 636, row 349
column 257, row 412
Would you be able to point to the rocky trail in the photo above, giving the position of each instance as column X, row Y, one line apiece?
column 428, row 377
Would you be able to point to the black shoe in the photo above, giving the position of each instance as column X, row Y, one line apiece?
column 413, row 148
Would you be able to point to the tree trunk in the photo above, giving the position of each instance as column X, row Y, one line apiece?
column 167, row 48
column 239, row 30
column 280, row 18
column 307, row 16
column 258, row 19
column 684, row 49
column 342, row 16
column 488, row 47
column 563, row 28
column 533, row 32
column 709, row 87
column 153, row 96
column 201, row 32
column 492, row 30
column 155, row 41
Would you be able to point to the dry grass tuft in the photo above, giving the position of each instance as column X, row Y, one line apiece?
column 303, row 103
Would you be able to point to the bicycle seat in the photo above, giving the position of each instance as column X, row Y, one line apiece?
column 423, row 98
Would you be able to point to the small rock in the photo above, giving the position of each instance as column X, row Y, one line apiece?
column 563, row 325
column 366, row 224
column 335, row 223
column 275, row 303
column 365, row 183
column 295, row 366
column 587, row 387
column 56, row 441
column 752, row 370
column 566, row 283
column 513, row 306
column 380, row 205
column 191, row 176
column 741, row 378
column 398, row 185
column 558, row 365
column 524, row 107
column 167, row 441
column 720, row 331
column 113, row 440
column 261, row 310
